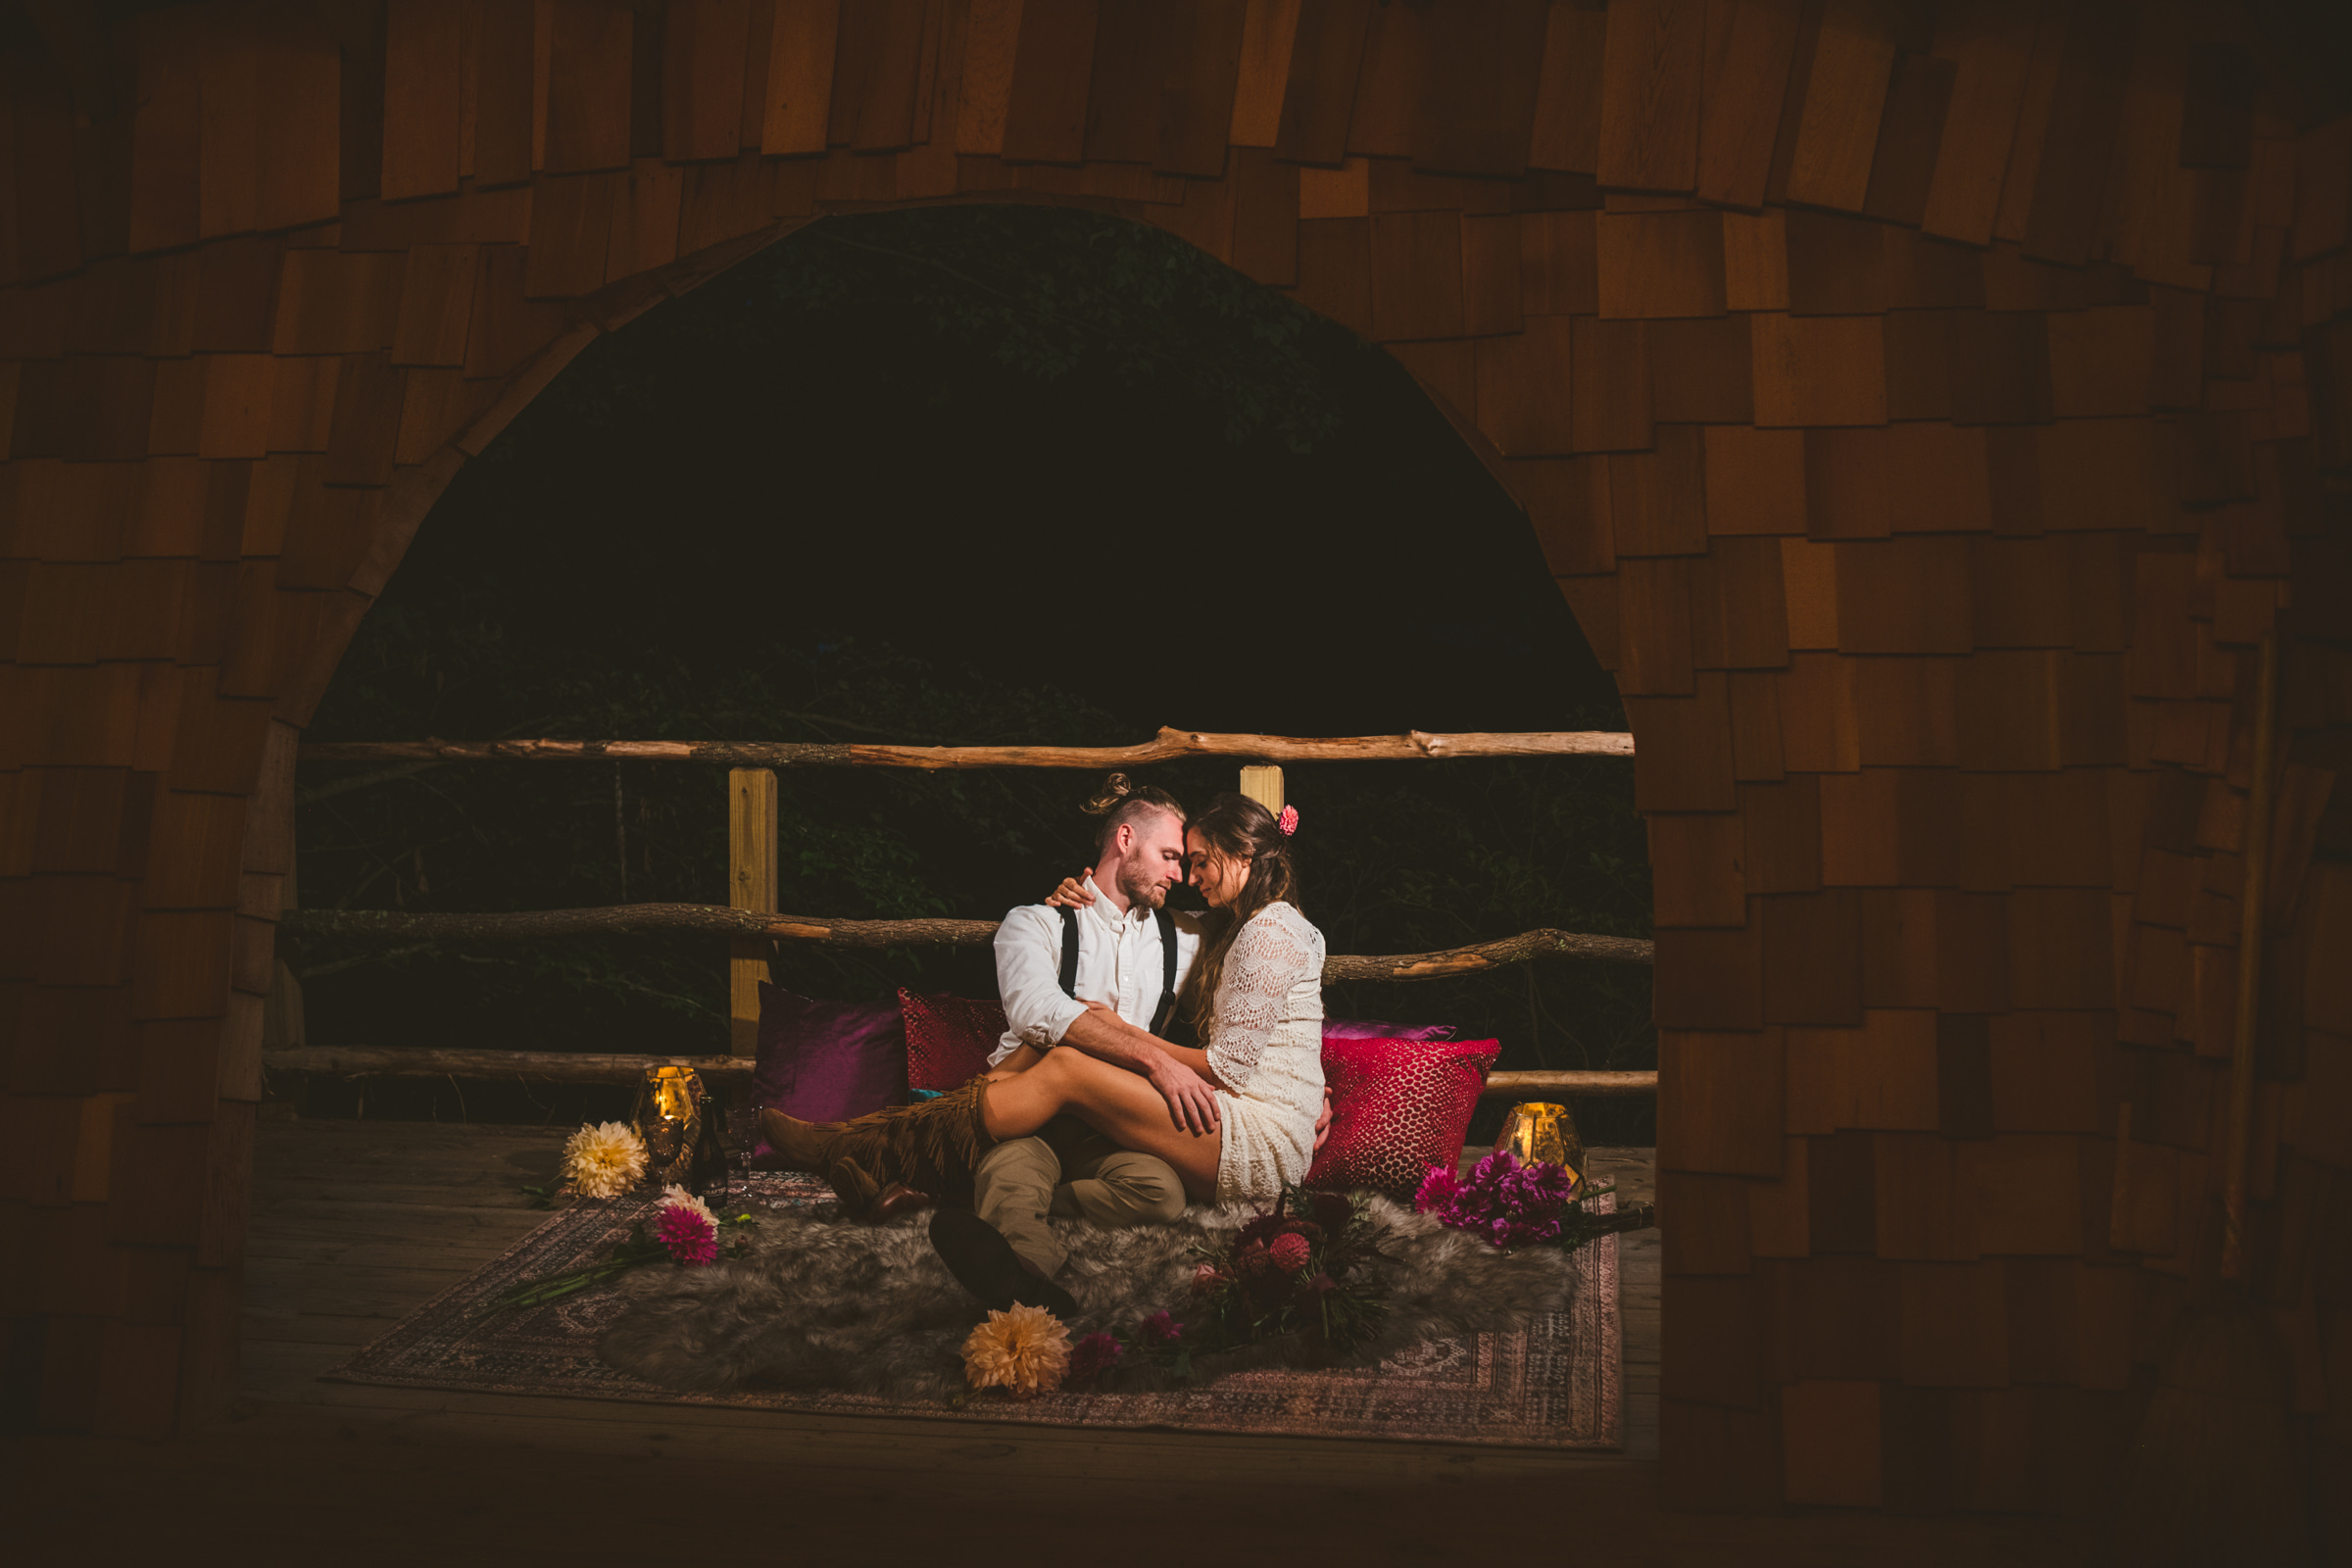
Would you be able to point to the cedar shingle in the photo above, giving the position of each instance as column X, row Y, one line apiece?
column 2080, row 143
column 1653, row 628
column 802, row 39
column 1726, row 1101
column 1524, row 384
column 1387, row 83
column 703, row 59
column 1478, row 99
column 1903, row 167
column 1700, row 371
column 1991, row 42
column 1203, row 50
column 1567, row 123
column 1269, row 38
column 423, row 48
column 1756, row 479
column 589, row 85
column 1660, row 264
column 1320, row 89
column 1819, row 369
column 1904, row 595
column 1740, row 112
column 1416, row 276
column 1652, row 79
column 1609, row 404
column 1844, row 97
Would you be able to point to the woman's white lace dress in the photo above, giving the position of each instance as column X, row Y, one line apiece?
column 1266, row 1044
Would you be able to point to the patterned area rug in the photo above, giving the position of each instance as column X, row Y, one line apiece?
column 1554, row 1384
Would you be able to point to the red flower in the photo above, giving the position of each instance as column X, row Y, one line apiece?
column 1159, row 1329
column 1289, row 1253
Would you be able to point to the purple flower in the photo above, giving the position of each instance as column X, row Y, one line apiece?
column 1093, row 1356
column 1159, row 1329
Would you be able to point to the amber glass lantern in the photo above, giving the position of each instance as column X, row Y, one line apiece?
column 1539, row 1131
column 669, row 1119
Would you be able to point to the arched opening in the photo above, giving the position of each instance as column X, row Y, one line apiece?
column 1002, row 474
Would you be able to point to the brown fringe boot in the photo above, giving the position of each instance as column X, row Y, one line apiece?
column 878, row 1162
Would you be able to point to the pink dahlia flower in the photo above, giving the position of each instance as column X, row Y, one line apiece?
column 1159, row 1329
column 1093, row 1356
column 1289, row 1253
column 690, row 1236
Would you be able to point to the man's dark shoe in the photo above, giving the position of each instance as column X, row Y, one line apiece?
column 984, row 1264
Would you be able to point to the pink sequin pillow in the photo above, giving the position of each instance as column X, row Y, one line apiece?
column 1397, row 1107
column 948, row 1038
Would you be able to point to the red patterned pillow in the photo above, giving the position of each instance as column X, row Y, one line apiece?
column 949, row 1038
column 1397, row 1107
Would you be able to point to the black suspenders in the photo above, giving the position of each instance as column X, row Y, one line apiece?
column 1167, row 963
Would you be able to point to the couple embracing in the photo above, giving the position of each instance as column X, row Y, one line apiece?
column 1088, row 1109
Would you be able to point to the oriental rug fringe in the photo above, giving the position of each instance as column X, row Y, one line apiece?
column 1549, row 1378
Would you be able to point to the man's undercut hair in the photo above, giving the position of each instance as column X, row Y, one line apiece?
column 1120, row 801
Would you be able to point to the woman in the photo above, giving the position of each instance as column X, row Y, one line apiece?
column 1256, row 997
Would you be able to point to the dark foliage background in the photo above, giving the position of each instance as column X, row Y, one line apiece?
column 970, row 475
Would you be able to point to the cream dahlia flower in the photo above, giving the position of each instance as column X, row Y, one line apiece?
column 1024, row 1350
column 604, row 1161
column 680, row 1198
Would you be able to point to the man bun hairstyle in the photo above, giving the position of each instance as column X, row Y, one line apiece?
column 1122, row 801
column 1235, row 825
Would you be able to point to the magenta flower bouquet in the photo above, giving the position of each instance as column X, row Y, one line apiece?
column 1511, row 1205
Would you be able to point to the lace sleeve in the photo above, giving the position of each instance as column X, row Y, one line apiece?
column 1265, row 961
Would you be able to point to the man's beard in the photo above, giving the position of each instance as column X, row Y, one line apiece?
column 1141, row 889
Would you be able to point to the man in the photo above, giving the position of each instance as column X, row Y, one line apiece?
column 1103, row 979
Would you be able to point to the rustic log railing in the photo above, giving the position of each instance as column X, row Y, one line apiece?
column 703, row 919
column 1170, row 744
column 569, row 1068
column 752, row 837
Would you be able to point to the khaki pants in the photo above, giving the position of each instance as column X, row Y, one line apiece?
column 1069, row 1169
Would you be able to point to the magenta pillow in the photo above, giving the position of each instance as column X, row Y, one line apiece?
column 949, row 1038
column 1373, row 1029
column 1397, row 1107
column 828, row 1060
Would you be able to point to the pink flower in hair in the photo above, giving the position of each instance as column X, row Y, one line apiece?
column 1287, row 822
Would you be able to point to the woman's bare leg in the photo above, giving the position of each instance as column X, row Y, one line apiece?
column 1121, row 1105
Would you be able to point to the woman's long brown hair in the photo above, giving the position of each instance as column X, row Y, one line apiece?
column 1235, row 825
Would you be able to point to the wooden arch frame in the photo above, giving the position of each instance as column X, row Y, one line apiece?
column 1922, row 427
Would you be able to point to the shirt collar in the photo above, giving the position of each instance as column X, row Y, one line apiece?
column 1136, row 913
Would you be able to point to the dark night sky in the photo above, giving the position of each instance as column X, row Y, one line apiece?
column 744, row 472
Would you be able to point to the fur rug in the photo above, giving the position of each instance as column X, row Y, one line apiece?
column 871, row 1309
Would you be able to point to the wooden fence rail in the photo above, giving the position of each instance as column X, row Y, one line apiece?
column 571, row 1067
column 1168, row 745
column 703, row 919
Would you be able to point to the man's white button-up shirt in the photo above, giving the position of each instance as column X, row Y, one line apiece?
column 1119, row 964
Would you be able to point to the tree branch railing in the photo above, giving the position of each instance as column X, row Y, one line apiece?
column 703, row 919
column 579, row 1067
column 1170, row 744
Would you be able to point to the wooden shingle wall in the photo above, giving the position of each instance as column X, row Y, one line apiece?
column 1924, row 411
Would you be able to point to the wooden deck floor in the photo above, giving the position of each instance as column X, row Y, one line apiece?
column 354, row 1224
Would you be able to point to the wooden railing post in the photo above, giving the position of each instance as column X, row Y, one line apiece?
column 1265, row 786
column 750, row 885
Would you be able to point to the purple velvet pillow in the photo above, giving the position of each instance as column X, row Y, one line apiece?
column 828, row 1060
column 1368, row 1029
